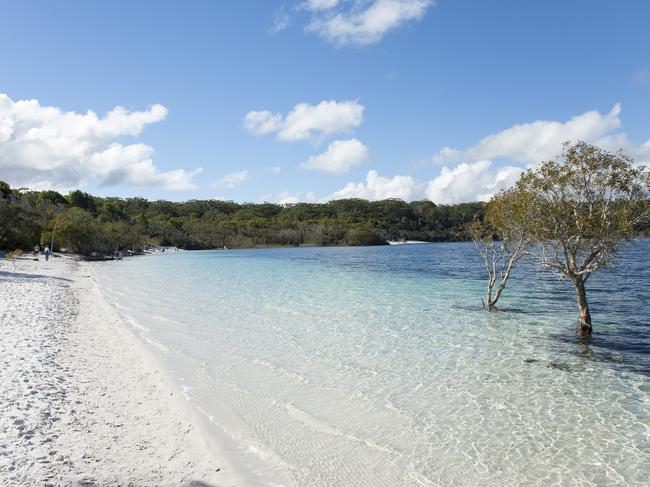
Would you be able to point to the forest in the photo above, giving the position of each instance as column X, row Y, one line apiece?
column 91, row 225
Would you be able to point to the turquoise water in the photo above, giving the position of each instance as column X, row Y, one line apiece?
column 377, row 365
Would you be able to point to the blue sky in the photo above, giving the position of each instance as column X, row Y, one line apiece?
column 368, row 98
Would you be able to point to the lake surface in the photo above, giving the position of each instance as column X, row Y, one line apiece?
column 377, row 365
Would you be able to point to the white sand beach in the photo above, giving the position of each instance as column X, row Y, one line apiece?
column 81, row 403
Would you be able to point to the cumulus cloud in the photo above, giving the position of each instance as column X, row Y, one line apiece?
column 262, row 122
column 43, row 146
column 466, row 182
column 476, row 181
column 613, row 142
column 307, row 121
column 232, row 180
column 132, row 164
column 377, row 187
column 531, row 143
column 339, row 158
column 362, row 23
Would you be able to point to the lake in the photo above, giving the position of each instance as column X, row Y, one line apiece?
column 378, row 366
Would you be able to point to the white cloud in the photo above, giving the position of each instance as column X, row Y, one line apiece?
column 613, row 142
column 287, row 198
column 307, row 121
column 132, row 164
column 274, row 169
column 262, row 122
column 46, row 147
column 377, row 187
column 365, row 22
column 467, row 182
column 232, row 180
column 531, row 143
column 339, row 158
column 641, row 153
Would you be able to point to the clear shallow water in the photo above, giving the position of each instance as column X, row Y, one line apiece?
column 377, row 365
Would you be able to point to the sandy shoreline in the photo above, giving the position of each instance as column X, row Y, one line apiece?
column 81, row 401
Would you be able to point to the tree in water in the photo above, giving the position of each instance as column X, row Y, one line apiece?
column 584, row 205
column 502, row 238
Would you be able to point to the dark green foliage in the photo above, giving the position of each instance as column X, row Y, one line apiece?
column 5, row 190
column 20, row 227
column 89, row 224
column 23, row 216
column 364, row 236
column 82, row 200
column 53, row 197
column 76, row 230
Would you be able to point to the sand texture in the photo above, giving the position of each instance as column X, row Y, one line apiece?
column 81, row 403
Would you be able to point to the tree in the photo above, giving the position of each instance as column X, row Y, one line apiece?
column 584, row 205
column 502, row 239
column 19, row 225
column 5, row 190
column 53, row 198
column 82, row 200
column 76, row 230
column 364, row 236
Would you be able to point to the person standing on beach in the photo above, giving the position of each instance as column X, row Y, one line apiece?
column 46, row 253
column 36, row 249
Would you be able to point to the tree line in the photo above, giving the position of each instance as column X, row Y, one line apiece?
column 91, row 225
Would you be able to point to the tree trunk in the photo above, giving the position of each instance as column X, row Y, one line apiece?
column 490, row 302
column 584, row 325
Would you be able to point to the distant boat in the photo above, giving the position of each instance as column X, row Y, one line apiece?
column 405, row 242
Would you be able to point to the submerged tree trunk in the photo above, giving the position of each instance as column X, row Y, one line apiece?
column 493, row 298
column 489, row 303
column 584, row 325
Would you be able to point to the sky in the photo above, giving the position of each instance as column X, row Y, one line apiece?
column 311, row 100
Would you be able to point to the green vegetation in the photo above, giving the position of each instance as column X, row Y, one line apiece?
column 89, row 225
